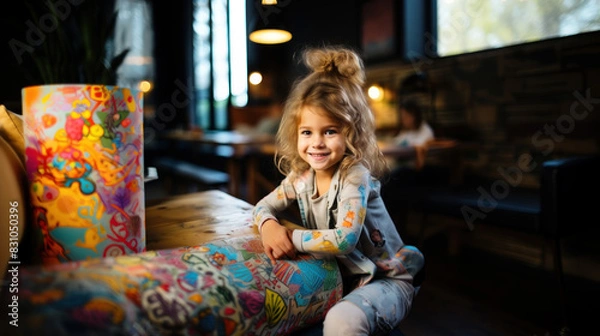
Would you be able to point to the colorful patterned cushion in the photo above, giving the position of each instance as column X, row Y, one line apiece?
column 221, row 288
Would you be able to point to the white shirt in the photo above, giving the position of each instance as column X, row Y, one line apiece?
column 416, row 137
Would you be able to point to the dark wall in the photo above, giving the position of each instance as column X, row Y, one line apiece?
column 13, row 25
column 312, row 23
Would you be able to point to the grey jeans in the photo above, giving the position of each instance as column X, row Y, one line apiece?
column 385, row 302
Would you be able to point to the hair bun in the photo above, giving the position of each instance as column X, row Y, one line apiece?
column 336, row 61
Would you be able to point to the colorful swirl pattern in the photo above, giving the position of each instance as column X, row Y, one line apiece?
column 84, row 157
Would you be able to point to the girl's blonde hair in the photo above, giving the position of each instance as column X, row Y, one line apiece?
column 335, row 84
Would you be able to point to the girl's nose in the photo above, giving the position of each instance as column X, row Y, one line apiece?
column 318, row 141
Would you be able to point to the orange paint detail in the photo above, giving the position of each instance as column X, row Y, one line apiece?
column 47, row 296
column 229, row 325
column 48, row 120
column 32, row 96
column 99, row 93
column 348, row 219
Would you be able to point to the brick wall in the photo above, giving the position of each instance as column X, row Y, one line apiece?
column 540, row 99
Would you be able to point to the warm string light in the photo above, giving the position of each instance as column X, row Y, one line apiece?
column 255, row 78
column 375, row 92
column 145, row 86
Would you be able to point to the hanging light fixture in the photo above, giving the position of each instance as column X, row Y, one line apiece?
column 271, row 32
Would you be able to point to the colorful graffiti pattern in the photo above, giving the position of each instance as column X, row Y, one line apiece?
column 84, row 157
column 227, row 287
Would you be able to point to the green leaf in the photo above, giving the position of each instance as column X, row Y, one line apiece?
column 106, row 142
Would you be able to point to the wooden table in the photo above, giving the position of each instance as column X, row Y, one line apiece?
column 196, row 218
column 434, row 147
column 233, row 145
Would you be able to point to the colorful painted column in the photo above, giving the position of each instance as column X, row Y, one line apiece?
column 84, row 157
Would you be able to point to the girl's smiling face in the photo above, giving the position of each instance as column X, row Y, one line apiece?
column 320, row 140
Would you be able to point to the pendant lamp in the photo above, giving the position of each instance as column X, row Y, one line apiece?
column 270, row 29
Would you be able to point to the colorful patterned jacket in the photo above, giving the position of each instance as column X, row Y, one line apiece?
column 356, row 227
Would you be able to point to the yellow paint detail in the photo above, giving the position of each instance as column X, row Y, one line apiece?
column 275, row 307
column 91, row 239
column 107, row 306
column 46, row 296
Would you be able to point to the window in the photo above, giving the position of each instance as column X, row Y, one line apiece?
column 472, row 25
column 133, row 31
column 220, row 68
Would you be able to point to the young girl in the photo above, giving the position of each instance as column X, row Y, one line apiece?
column 328, row 151
column 415, row 130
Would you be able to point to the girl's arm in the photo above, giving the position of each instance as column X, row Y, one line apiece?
column 276, row 238
column 351, row 212
column 274, row 203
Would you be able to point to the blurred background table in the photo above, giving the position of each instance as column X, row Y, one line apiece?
column 232, row 145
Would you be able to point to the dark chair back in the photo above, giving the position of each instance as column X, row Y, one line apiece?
column 569, row 191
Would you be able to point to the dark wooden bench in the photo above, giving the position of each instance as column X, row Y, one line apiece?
column 176, row 172
column 561, row 206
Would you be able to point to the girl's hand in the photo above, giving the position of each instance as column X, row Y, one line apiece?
column 277, row 241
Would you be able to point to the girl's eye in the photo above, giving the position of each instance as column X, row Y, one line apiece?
column 330, row 132
column 305, row 132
